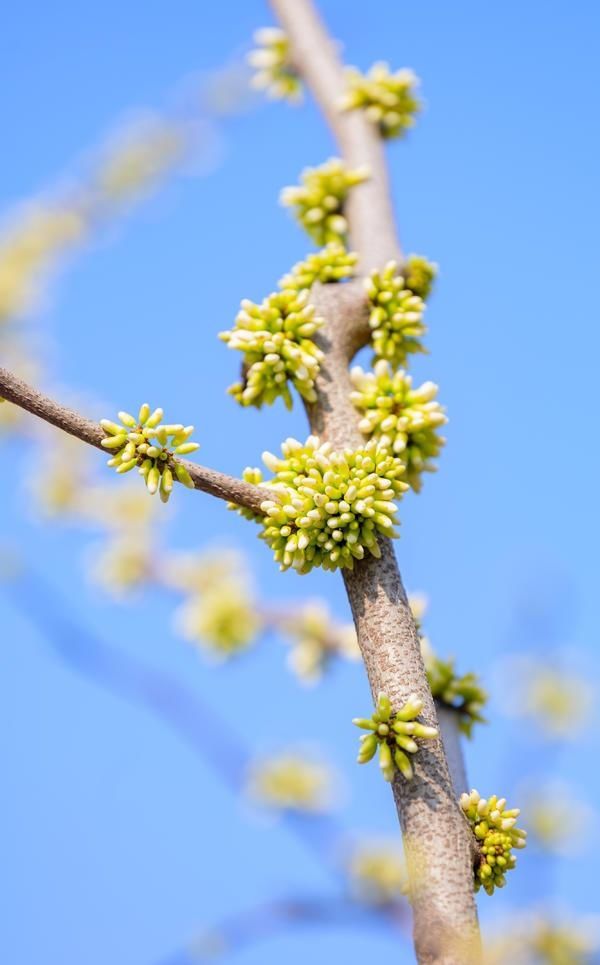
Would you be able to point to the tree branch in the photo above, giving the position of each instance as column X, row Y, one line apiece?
column 369, row 207
column 211, row 481
column 438, row 842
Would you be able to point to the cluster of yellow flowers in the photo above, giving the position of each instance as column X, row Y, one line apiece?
column 392, row 733
column 495, row 828
column 332, row 263
column 331, row 505
column 388, row 99
column 275, row 338
column 275, row 73
column 402, row 419
column 150, row 446
column 318, row 202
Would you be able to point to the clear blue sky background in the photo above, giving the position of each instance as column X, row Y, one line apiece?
column 118, row 842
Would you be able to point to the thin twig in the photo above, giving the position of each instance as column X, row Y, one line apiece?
column 268, row 919
column 211, row 481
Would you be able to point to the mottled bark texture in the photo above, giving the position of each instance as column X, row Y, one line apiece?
column 206, row 480
column 438, row 843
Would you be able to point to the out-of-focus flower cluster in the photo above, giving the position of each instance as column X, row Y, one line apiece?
column 402, row 419
column 275, row 338
column 543, row 938
column 38, row 235
column 464, row 694
column 331, row 505
column 557, row 821
column 388, row 99
column 316, row 639
column 396, row 317
column 495, row 828
column 292, row 781
column 318, row 202
column 147, row 443
column 392, row 733
column 332, row 263
column 556, row 699
column 377, row 873
column 275, row 72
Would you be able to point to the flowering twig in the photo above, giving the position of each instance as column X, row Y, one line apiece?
column 211, row 481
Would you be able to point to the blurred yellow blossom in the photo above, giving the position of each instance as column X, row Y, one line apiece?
column 378, row 872
column 558, row 700
column 291, row 780
column 124, row 563
column 224, row 620
column 317, row 639
column 201, row 571
column 139, row 157
column 30, row 245
column 544, row 939
column 556, row 819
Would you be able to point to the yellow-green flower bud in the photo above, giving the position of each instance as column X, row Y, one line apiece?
column 330, row 506
column 276, row 340
column 402, row 419
column 275, row 72
column 388, row 729
column 149, row 446
column 319, row 201
column 396, row 317
column 388, row 99
column 419, row 275
column 331, row 264
column 494, row 827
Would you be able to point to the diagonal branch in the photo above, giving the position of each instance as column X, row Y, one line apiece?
column 211, row 481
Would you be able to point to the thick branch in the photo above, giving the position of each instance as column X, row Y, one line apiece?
column 438, row 843
column 369, row 208
column 206, row 480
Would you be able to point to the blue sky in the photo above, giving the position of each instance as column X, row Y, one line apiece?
column 119, row 843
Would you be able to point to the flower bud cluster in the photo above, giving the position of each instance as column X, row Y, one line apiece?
column 463, row 694
column 331, row 505
column 150, row 446
column 495, row 829
column 275, row 73
column 419, row 275
column 402, row 419
column 276, row 340
column 319, row 200
column 396, row 317
column 388, row 99
column 393, row 734
column 332, row 263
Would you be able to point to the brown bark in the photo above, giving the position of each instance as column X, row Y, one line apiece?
column 438, row 842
